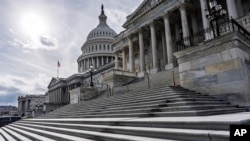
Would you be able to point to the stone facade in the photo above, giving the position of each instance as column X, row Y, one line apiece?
column 215, row 65
column 29, row 103
column 219, row 67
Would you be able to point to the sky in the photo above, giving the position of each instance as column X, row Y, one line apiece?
column 36, row 34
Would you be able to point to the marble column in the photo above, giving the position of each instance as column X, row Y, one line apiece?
column 232, row 10
column 102, row 60
column 124, row 60
column 141, row 46
column 184, row 23
column 205, row 21
column 131, row 55
column 203, row 8
column 116, row 61
column 168, row 42
column 84, row 65
column 98, row 63
column 93, row 62
column 153, row 45
column 163, row 42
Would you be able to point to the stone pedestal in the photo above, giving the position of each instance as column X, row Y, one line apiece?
column 219, row 67
column 154, row 70
column 141, row 74
column 169, row 66
column 88, row 93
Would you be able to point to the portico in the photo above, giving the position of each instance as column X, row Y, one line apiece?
column 156, row 33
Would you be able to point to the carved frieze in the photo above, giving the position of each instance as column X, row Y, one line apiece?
column 209, row 51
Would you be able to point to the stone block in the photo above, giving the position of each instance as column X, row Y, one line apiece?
column 238, row 53
column 230, row 76
column 237, row 92
column 191, row 74
column 223, row 66
column 169, row 66
column 206, row 80
column 226, row 55
column 184, row 66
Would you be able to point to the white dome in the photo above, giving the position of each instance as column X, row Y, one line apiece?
column 102, row 30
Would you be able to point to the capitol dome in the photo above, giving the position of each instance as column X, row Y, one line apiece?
column 97, row 50
column 102, row 30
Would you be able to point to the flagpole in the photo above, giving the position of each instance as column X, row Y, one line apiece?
column 57, row 71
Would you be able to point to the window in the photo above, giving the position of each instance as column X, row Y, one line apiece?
column 104, row 47
column 145, row 52
column 96, row 47
column 108, row 47
column 100, row 47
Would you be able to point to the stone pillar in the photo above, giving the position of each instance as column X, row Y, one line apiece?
column 153, row 45
column 84, row 64
column 204, row 19
column 131, row 55
column 93, row 62
column 203, row 8
column 98, row 63
column 232, row 10
column 116, row 61
column 184, row 22
column 124, row 60
column 142, row 58
column 163, row 42
column 107, row 61
column 168, row 42
column 102, row 60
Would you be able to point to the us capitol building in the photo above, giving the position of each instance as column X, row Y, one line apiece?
column 209, row 54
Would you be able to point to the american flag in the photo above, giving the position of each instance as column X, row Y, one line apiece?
column 58, row 64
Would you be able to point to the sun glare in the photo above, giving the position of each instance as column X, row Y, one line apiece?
column 33, row 24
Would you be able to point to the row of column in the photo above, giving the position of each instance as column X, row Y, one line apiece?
column 232, row 11
column 168, row 43
column 95, row 61
column 55, row 96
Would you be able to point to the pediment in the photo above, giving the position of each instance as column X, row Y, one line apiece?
column 143, row 8
column 53, row 82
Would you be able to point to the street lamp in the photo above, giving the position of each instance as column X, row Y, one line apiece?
column 214, row 13
column 91, row 70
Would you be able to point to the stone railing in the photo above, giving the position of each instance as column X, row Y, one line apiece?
column 245, row 20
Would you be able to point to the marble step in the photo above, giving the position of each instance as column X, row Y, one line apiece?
column 148, row 132
column 156, row 114
column 160, row 102
column 81, row 135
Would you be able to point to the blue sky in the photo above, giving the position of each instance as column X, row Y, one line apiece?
column 35, row 34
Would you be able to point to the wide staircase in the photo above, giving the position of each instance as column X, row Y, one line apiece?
column 166, row 113
column 151, row 81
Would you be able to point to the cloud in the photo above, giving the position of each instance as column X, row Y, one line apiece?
column 19, row 43
column 48, row 41
column 14, row 86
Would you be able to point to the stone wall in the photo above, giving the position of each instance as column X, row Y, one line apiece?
column 219, row 67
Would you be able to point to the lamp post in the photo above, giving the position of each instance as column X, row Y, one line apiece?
column 91, row 70
column 213, row 13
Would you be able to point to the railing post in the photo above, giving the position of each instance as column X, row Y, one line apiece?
column 173, row 78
